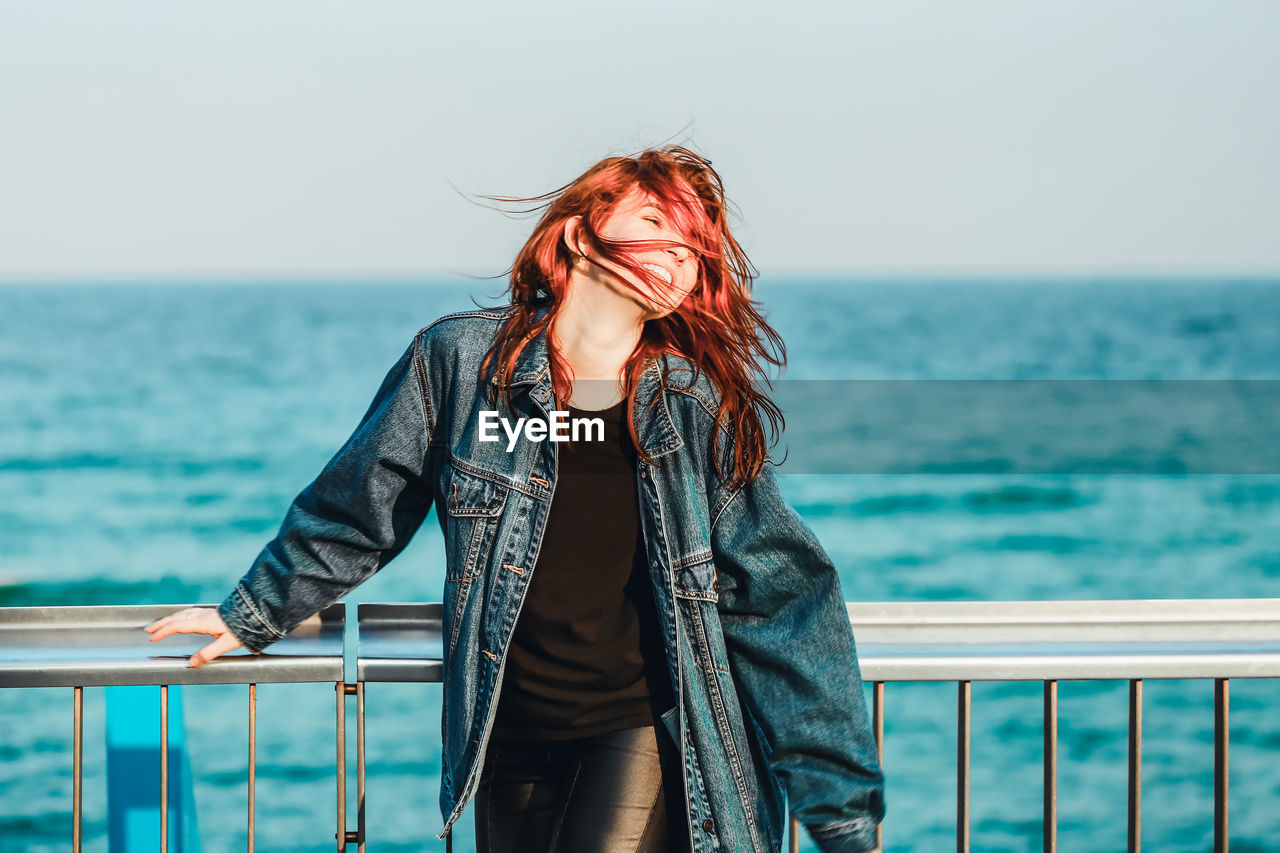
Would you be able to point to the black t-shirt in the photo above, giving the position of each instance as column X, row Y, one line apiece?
column 586, row 655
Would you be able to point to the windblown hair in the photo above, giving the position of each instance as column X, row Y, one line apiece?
column 717, row 327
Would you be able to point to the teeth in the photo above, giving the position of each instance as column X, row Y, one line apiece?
column 659, row 271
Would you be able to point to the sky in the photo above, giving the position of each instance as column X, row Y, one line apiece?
column 292, row 139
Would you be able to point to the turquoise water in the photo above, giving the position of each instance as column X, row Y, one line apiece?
column 152, row 436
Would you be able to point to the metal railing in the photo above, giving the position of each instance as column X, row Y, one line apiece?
column 81, row 647
column 960, row 642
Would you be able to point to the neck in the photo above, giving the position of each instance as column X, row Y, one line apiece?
column 596, row 329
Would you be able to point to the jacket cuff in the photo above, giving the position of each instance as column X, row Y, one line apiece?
column 246, row 622
column 855, row 836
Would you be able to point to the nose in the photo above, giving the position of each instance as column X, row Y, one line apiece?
column 680, row 253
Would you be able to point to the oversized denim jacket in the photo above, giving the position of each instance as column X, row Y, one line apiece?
column 759, row 646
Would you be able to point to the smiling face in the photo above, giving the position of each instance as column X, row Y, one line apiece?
column 672, row 268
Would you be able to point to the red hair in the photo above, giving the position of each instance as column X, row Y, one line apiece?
column 717, row 327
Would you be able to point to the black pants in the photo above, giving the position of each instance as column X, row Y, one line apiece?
column 618, row 792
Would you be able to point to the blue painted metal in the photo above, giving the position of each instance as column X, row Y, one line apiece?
column 133, row 773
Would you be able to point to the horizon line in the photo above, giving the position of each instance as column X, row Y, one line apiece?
column 438, row 276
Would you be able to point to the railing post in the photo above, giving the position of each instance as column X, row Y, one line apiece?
column 1135, row 765
column 341, row 834
column 77, row 770
column 360, row 766
column 164, row 768
column 1221, row 756
column 344, row 836
column 877, row 725
column 962, row 767
column 253, row 758
column 1050, row 766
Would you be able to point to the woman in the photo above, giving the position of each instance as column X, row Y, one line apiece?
column 669, row 636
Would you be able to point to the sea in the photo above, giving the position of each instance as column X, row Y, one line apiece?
column 152, row 435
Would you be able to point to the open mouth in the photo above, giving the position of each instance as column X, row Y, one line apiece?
column 661, row 272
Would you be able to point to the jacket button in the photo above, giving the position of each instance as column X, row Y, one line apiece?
column 708, row 826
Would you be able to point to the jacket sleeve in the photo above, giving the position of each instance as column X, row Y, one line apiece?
column 791, row 652
column 359, row 512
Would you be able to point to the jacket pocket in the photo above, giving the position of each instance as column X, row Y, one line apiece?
column 474, row 505
column 695, row 577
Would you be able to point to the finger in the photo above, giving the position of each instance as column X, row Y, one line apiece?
column 167, row 629
column 183, row 627
column 222, row 644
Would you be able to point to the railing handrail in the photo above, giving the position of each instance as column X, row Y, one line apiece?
column 1060, row 640
column 897, row 641
column 97, row 646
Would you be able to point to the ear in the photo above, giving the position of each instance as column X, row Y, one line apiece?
column 571, row 227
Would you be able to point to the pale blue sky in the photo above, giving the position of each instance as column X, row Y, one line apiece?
column 318, row 138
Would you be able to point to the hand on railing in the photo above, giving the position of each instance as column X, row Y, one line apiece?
column 197, row 620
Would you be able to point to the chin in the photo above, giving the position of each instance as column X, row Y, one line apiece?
column 655, row 307
column 659, row 313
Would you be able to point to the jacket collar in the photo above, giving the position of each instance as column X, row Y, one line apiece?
column 654, row 425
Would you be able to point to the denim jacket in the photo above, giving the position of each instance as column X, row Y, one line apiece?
column 769, row 697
